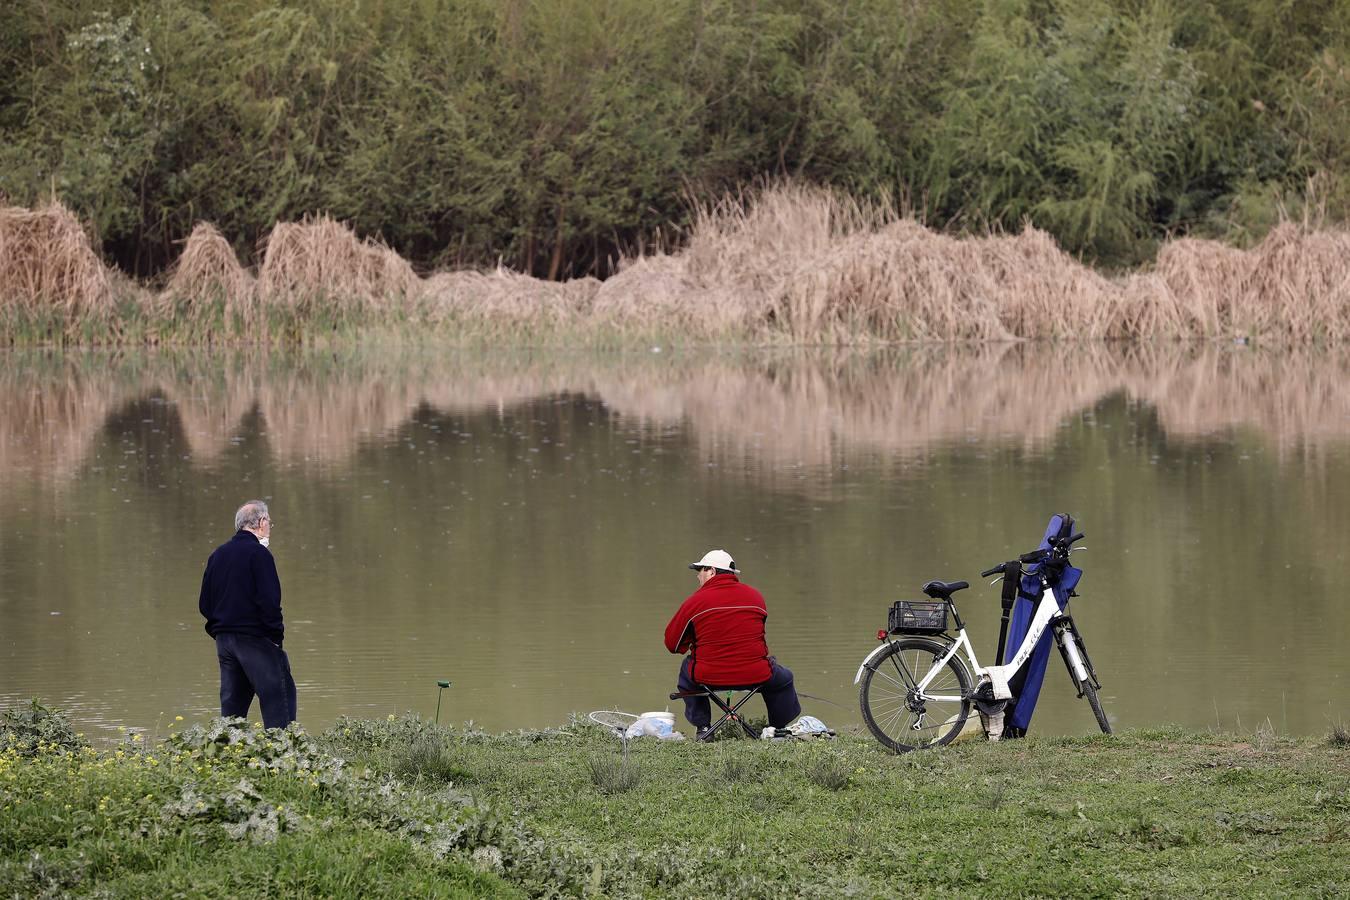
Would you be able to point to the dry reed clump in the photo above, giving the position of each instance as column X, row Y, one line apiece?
column 1205, row 283
column 728, row 282
column 660, row 294
column 902, row 282
column 1301, row 282
column 319, row 264
column 812, row 266
column 754, row 239
column 508, row 302
column 48, row 267
column 1292, row 287
column 1042, row 292
column 785, row 262
column 208, row 268
column 906, row 282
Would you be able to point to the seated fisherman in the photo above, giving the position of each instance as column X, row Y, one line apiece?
column 721, row 626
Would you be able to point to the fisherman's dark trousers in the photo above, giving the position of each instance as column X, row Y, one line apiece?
column 779, row 693
column 252, row 665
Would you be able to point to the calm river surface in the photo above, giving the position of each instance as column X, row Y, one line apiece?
column 520, row 523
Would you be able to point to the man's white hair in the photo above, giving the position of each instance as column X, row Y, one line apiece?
column 250, row 515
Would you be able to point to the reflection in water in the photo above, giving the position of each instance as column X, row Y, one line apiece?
column 751, row 411
column 519, row 522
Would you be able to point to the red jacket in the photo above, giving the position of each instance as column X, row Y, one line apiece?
column 722, row 627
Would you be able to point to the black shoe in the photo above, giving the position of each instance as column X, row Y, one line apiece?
column 703, row 733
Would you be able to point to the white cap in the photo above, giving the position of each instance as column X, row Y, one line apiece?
column 717, row 559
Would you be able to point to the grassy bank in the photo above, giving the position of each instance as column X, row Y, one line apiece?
column 401, row 807
column 787, row 265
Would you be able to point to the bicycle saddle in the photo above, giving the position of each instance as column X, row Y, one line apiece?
column 942, row 590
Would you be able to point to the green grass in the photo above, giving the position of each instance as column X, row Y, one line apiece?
column 208, row 324
column 414, row 809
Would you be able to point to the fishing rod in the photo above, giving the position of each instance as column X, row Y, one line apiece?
column 821, row 699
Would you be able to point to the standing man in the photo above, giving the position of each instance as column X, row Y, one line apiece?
column 721, row 626
column 241, row 600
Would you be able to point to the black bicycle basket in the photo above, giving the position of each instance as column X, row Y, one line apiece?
column 917, row 617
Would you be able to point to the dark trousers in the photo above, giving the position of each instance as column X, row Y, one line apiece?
column 779, row 693
column 252, row 665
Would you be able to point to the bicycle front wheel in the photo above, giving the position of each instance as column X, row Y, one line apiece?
column 894, row 710
column 1071, row 640
column 1090, row 692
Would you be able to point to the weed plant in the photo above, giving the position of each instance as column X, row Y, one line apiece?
column 828, row 769
column 427, row 758
column 733, row 768
column 614, row 775
column 33, row 730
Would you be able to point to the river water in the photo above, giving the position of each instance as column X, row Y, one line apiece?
column 520, row 523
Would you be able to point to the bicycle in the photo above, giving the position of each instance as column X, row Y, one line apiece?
column 917, row 691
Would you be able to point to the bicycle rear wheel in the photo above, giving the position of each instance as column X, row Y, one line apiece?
column 892, row 708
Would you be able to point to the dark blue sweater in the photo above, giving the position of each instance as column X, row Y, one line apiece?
column 241, row 593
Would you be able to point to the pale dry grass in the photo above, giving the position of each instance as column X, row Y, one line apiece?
column 784, row 263
column 1293, row 287
column 805, row 265
column 321, row 264
column 1305, row 277
column 208, row 268
column 743, row 253
column 47, row 265
column 809, row 266
column 507, row 304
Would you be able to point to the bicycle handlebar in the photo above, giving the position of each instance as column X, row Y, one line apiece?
column 1036, row 556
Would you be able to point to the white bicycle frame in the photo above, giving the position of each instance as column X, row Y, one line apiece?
column 1046, row 612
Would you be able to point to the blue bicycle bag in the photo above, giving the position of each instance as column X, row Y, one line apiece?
column 1026, row 685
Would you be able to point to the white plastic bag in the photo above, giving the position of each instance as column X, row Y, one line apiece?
column 809, row 727
column 660, row 725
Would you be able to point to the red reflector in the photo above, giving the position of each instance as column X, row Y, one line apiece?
column 881, row 634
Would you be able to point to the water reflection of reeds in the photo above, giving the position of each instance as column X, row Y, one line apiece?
column 757, row 412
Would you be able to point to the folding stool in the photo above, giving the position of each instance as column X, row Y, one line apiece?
column 729, row 710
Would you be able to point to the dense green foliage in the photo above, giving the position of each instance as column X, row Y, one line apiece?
column 554, row 134
column 402, row 807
